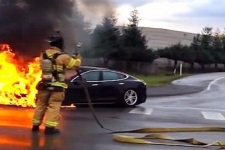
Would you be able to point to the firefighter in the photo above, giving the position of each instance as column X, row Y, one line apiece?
column 53, row 62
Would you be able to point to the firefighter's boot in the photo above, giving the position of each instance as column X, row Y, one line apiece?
column 35, row 128
column 51, row 130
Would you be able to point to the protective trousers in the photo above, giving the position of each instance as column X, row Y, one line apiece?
column 48, row 105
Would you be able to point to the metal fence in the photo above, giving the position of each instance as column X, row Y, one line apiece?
column 159, row 65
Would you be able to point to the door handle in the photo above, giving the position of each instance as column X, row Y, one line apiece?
column 121, row 83
column 94, row 84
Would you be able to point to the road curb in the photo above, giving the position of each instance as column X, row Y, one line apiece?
column 198, row 90
column 177, row 94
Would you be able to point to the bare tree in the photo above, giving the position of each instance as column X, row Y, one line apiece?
column 134, row 18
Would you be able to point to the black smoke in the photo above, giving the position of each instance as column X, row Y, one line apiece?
column 24, row 24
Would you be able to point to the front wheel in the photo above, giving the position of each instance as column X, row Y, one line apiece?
column 130, row 98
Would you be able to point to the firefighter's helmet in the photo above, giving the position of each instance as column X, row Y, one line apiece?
column 56, row 39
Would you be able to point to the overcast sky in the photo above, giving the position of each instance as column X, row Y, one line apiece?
column 183, row 15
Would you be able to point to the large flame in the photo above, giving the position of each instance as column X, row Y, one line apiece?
column 17, row 80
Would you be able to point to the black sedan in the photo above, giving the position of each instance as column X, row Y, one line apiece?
column 105, row 86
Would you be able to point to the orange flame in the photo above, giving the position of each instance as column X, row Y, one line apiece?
column 17, row 80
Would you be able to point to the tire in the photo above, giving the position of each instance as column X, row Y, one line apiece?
column 130, row 98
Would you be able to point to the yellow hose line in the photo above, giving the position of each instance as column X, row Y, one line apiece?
column 191, row 142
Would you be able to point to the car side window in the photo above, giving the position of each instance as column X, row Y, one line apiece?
column 107, row 75
column 91, row 76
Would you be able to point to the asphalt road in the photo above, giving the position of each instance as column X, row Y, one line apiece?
column 80, row 131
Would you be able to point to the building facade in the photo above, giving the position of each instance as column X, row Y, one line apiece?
column 161, row 38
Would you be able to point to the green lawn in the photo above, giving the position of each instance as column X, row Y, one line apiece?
column 158, row 80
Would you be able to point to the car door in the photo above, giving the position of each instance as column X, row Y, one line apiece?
column 112, row 85
column 76, row 93
column 92, row 80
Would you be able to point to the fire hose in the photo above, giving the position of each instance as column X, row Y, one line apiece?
column 151, row 132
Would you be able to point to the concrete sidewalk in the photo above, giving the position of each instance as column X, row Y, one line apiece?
column 172, row 90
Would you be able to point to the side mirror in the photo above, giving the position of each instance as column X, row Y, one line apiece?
column 80, row 82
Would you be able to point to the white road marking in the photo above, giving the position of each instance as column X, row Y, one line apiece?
column 213, row 82
column 188, row 108
column 212, row 115
column 143, row 111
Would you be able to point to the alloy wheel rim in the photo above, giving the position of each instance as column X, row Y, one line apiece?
column 130, row 97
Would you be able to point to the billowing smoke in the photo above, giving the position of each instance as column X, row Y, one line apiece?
column 97, row 6
column 24, row 24
column 96, row 9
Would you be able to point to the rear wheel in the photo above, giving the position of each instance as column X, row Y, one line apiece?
column 130, row 98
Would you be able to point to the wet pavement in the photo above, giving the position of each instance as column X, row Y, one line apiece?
column 81, row 132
